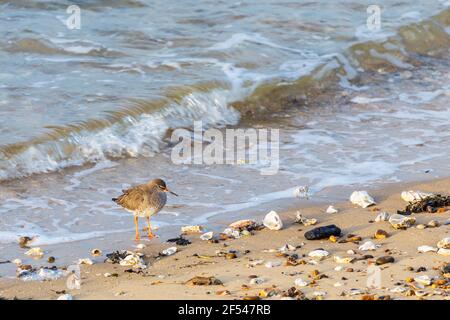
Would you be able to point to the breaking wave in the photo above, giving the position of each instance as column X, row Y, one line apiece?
column 141, row 127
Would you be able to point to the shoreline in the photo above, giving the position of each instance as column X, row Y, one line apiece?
column 166, row 276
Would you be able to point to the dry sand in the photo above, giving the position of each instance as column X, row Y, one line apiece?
column 165, row 276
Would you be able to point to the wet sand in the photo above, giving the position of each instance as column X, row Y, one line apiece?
column 165, row 276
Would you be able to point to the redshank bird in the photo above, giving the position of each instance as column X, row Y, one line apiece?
column 144, row 200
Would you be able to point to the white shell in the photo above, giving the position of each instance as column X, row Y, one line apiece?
column 35, row 252
column 424, row 249
column 425, row 280
column 287, row 247
column 273, row 221
column 17, row 262
column 232, row 233
column 257, row 280
column 382, row 216
column 362, row 199
column 300, row 282
column 141, row 246
column 319, row 254
column 339, row 268
column 399, row 221
column 207, row 236
column 273, row 264
column 368, row 246
column 410, row 196
column 444, row 243
column 133, row 260
column 338, row 259
column 398, row 289
column 65, row 297
column 169, row 251
column 332, row 210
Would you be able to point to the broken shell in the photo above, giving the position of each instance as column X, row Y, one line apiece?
column 17, row 262
column 51, row 259
column 444, row 252
column 191, row 229
column 343, row 260
column 444, row 243
column 35, row 252
column 257, row 280
column 410, row 196
column 300, row 282
column 302, row 220
column 273, row 221
column 169, row 251
column 287, row 247
column 380, row 234
column 96, row 252
column 319, row 254
column 140, row 246
column 207, row 236
column 433, row 224
column 332, row 210
column 425, row 280
column 232, row 233
column 421, row 226
column 424, row 249
column 339, row 268
column 368, row 246
column 230, row 255
column 301, row 192
column 399, row 221
column 272, row 264
column 362, row 198
column 382, row 216
column 86, row 261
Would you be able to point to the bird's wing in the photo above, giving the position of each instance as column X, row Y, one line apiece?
column 132, row 199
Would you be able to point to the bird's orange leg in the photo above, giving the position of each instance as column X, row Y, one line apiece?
column 150, row 234
column 136, row 223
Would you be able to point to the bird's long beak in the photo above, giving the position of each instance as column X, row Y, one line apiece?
column 167, row 190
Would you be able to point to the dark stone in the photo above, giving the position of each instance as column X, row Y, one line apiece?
column 421, row 269
column 384, row 260
column 323, row 232
column 180, row 241
column 446, row 269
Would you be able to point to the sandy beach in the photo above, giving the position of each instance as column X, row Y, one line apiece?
column 235, row 262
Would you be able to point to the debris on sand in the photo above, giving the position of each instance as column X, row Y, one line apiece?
column 65, row 297
column 169, row 251
column 127, row 259
column 368, row 246
column 273, row 221
column 383, row 260
column 344, row 260
column 424, row 249
column 207, row 236
column 332, row 210
column 300, row 282
column 410, row 196
column 362, row 199
column 444, row 252
column 26, row 273
column 203, row 281
column 246, row 224
column 96, row 252
column 304, row 221
column 180, row 241
column 323, row 232
column 382, row 216
column 430, row 204
column 399, row 221
column 319, row 254
column 380, row 234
